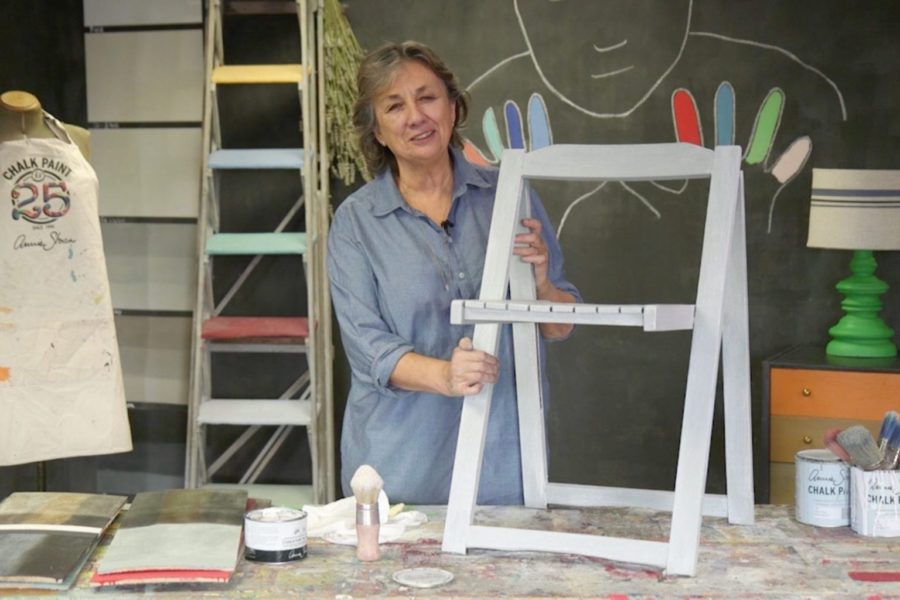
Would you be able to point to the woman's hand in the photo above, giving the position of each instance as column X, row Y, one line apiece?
column 531, row 247
column 470, row 369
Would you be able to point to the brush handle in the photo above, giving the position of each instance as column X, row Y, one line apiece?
column 367, row 530
column 891, row 458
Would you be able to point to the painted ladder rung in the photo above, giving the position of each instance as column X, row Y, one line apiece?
column 255, row 328
column 257, row 74
column 261, row 158
column 652, row 317
column 255, row 412
column 256, row 243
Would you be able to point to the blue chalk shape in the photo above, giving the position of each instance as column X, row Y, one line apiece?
column 725, row 115
column 514, row 135
column 538, row 123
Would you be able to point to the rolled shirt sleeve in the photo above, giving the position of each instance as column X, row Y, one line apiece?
column 372, row 348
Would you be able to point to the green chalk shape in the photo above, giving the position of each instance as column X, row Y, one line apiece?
column 768, row 118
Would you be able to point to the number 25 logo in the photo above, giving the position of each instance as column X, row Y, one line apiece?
column 40, row 205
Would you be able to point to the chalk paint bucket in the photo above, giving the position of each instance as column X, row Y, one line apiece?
column 275, row 535
column 822, row 489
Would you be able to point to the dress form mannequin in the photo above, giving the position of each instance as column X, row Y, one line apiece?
column 62, row 388
column 21, row 116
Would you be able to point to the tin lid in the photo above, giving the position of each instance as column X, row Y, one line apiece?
column 275, row 514
column 818, row 455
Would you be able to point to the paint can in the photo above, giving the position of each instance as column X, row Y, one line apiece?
column 275, row 534
column 822, row 489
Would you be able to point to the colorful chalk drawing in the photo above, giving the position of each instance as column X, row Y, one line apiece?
column 617, row 61
column 758, row 149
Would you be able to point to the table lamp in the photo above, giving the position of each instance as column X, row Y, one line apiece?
column 859, row 210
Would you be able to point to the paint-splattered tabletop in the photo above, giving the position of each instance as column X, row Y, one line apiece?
column 777, row 557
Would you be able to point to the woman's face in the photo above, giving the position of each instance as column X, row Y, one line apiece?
column 414, row 116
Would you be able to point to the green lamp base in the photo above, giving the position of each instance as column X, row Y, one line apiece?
column 861, row 332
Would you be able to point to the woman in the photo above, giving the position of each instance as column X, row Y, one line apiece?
column 400, row 250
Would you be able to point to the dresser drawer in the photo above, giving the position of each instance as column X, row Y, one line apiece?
column 781, row 483
column 789, row 435
column 854, row 395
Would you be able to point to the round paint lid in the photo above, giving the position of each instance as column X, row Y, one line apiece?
column 819, row 455
column 423, row 577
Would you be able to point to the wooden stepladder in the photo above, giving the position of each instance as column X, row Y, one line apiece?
column 720, row 325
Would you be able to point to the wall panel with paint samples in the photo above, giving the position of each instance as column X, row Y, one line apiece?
column 144, row 74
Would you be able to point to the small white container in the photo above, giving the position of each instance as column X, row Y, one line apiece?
column 822, row 489
column 875, row 502
column 275, row 535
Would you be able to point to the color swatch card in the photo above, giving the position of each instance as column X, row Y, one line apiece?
column 176, row 536
column 46, row 537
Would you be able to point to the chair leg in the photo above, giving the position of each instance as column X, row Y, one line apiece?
column 736, row 379
column 467, row 467
column 703, row 367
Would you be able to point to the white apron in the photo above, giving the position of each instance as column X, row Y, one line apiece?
column 61, row 388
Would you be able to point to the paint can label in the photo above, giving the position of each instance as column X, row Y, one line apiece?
column 875, row 502
column 275, row 534
column 822, row 489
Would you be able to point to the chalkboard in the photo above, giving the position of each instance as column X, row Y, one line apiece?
column 797, row 84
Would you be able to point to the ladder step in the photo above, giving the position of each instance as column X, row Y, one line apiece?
column 255, row 412
column 264, row 158
column 260, row 7
column 255, row 328
column 256, row 243
column 257, row 74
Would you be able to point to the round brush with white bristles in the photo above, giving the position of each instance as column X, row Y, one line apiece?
column 366, row 485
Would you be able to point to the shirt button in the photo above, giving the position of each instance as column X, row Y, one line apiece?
column 462, row 275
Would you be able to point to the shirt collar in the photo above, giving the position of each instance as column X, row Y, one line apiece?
column 387, row 198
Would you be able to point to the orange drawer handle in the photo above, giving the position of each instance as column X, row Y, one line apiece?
column 806, row 392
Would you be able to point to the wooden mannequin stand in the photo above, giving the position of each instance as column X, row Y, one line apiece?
column 719, row 323
column 22, row 117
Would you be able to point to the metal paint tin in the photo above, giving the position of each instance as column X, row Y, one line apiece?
column 275, row 535
column 822, row 489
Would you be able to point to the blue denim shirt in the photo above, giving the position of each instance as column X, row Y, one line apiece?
column 393, row 274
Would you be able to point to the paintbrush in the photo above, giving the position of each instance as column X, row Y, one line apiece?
column 863, row 451
column 830, row 441
column 888, row 425
column 366, row 485
column 891, row 447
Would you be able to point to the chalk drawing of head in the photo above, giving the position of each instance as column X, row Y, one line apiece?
column 623, row 59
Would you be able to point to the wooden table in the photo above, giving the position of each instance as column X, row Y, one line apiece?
column 775, row 557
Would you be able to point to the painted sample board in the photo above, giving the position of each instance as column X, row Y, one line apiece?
column 46, row 537
column 148, row 172
column 156, row 357
column 104, row 13
column 144, row 76
column 176, row 535
column 151, row 266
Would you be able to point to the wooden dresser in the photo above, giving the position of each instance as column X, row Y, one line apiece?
column 809, row 393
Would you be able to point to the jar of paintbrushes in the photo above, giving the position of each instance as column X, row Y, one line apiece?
column 874, row 475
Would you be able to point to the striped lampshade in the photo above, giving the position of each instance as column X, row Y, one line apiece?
column 855, row 209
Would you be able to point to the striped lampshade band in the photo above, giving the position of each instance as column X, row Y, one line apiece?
column 855, row 209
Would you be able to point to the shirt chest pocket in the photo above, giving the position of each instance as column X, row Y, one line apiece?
column 414, row 284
